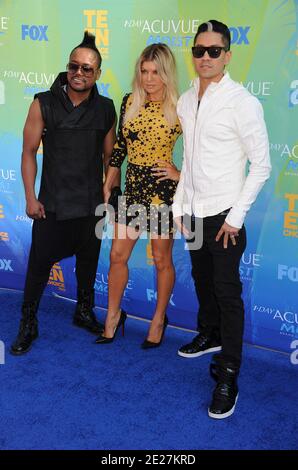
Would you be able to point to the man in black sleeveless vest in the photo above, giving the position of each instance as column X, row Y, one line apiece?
column 77, row 128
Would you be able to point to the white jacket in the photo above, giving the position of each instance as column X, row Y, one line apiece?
column 220, row 136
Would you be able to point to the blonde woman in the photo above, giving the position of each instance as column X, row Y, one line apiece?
column 148, row 130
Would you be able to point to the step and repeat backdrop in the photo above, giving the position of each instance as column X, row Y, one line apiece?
column 36, row 37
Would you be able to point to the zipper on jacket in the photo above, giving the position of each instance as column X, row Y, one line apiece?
column 192, row 157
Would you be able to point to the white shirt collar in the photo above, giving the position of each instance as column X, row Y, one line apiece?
column 213, row 85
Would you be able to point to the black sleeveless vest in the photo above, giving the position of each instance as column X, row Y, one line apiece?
column 72, row 171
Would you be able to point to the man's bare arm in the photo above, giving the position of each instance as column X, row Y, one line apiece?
column 32, row 133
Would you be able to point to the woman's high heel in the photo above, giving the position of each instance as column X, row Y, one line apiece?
column 149, row 344
column 104, row 340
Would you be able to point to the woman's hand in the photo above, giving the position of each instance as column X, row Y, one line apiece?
column 112, row 179
column 166, row 171
column 106, row 193
column 181, row 227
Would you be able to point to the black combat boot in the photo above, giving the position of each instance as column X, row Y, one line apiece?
column 84, row 316
column 225, row 394
column 28, row 331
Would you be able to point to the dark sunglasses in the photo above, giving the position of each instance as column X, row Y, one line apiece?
column 213, row 51
column 87, row 71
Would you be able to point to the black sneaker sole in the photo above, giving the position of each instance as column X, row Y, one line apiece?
column 223, row 415
column 200, row 353
column 20, row 353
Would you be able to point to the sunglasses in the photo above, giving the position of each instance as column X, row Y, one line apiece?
column 213, row 51
column 87, row 71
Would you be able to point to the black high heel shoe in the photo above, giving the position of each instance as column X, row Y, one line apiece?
column 104, row 340
column 150, row 344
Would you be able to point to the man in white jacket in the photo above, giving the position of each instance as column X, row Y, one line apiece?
column 223, row 129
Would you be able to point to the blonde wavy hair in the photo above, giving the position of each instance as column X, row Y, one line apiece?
column 165, row 63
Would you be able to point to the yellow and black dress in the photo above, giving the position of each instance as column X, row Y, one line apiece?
column 145, row 140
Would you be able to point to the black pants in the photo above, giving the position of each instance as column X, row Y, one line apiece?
column 54, row 240
column 215, row 271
